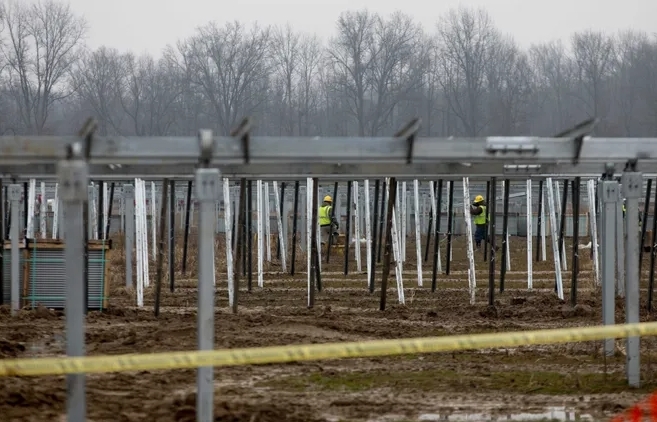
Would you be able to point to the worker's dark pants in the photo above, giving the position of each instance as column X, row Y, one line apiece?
column 326, row 232
column 481, row 231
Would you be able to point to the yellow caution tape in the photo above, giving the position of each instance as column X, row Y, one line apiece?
column 296, row 353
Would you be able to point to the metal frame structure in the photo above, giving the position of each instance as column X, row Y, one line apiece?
column 404, row 155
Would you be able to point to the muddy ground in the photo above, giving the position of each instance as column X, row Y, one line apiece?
column 478, row 385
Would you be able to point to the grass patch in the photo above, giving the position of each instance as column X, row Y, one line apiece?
column 524, row 382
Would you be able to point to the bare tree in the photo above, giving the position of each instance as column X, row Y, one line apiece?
column 646, row 77
column 398, row 65
column 98, row 78
column 510, row 83
column 351, row 55
column 149, row 92
column 43, row 40
column 627, row 76
column 553, row 83
column 229, row 66
column 310, row 56
column 466, row 39
column 593, row 53
column 285, row 52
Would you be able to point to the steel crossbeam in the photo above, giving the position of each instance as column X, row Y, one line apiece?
column 340, row 151
column 299, row 171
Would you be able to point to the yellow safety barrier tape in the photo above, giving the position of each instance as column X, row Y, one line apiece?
column 295, row 353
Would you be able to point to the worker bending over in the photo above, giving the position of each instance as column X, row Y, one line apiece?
column 480, row 220
column 327, row 220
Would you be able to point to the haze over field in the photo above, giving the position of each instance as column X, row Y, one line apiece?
column 358, row 68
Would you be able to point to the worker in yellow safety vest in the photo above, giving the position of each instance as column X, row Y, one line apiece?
column 480, row 220
column 327, row 220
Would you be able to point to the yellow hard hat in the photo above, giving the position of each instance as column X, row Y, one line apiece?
column 479, row 198
column 327, row 198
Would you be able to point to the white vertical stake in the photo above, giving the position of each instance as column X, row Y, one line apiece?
column 267, row 215
column 55, row 212
column 591, row 185
column 106, row 206
column 557, row 199
column 359, row 264
column 94, row 213
column 153, row 222
column 530, row 236
column 279, row 222
column 144, row 228
column 396, row 250
column 31, row 199
column 555, row 238
column 368, row 230
column 309, row 230
column 138, row 244
column 228, row 224
column 403, row 212
column 472, row 281
column 260, row 231
column 418, row 236
column 508, row 244
column 42, row 211
column 122, row 211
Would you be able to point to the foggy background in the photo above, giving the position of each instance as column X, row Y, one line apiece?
column 463, row 75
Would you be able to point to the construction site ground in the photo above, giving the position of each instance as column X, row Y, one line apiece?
column 559, row 381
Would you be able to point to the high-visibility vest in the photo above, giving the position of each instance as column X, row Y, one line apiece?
column 481, row 218
column 325, row 215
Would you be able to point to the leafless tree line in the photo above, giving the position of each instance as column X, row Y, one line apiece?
column 462, row 78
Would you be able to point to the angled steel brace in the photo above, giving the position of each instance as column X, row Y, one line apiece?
column 577, row 133
column 242, row 133
column 408, row 133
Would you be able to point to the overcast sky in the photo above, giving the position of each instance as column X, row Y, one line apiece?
column 149, row 25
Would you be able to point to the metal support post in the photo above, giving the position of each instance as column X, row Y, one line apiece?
column 632, row 182
column 73, row 175
column 620, row 245
column 609, row 194
column 14, row 192
column 207, row 193
column 129, row 201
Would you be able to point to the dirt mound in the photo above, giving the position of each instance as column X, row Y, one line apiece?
column 528, row 307
column 10, row 349
column 38, row 313
column 184, row 410
column 17, row 393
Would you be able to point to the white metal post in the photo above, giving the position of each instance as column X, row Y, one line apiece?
column 207, row 186
column 555, row 239
column 530, row 236
column 73, row 176
column 632, row 182
column 472, row 281
column 368, row 230
column 14, row 193
column 129, row 234
column 609, row 197
column 418, row 236
column 281, row 231
column 594, row 231
column 228, row 224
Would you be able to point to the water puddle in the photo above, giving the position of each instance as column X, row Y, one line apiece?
column 550, row 414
